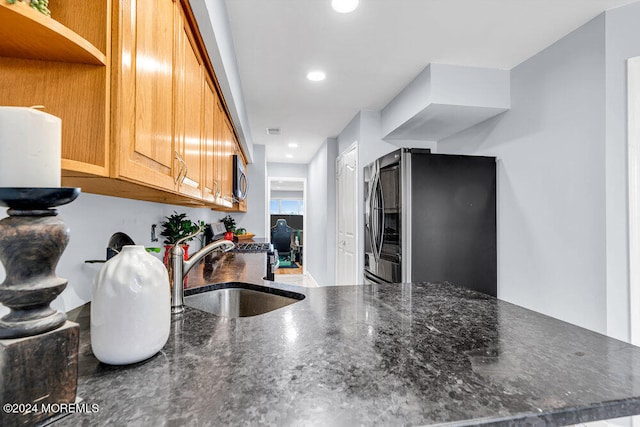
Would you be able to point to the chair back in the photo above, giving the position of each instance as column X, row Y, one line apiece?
column 281, row 237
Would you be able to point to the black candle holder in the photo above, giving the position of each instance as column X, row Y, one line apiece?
column 32, row 239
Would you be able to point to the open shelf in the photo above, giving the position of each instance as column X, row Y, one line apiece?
column 26, row 33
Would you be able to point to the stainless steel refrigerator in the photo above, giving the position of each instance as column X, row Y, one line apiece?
column 431, row 218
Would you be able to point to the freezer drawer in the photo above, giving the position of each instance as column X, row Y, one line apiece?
column 387, row 270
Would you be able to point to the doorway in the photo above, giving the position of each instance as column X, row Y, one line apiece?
column 286, row 223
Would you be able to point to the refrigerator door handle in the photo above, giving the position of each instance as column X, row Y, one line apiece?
column 381, row 238
column 371, row 226
column 373, row 216
column 367, row 205
column 378, row 218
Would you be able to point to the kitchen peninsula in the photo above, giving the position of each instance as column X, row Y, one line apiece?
column 410, row 354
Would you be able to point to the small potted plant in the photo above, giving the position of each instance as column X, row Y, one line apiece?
column 230, row 226
column 176, row 227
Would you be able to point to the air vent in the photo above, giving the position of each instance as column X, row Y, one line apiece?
column 273, row 131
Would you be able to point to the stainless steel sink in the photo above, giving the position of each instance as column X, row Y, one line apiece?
column 239, row 302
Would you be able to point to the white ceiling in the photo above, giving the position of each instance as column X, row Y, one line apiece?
column 372, row 53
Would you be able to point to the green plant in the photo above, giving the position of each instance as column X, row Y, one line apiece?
column 41, row 6
column 178, row 226
column 229, row 223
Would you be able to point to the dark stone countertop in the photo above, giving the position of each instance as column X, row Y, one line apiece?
column 401, row 354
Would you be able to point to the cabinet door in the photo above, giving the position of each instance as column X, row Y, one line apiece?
column 226, row 167
column 209, row 189
column 143, row 106
column 189, row 79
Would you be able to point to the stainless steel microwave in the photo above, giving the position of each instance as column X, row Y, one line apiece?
column 239, row 179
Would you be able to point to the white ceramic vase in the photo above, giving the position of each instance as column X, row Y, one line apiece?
column 131, row 307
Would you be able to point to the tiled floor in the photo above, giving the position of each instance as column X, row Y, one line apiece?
column 296, row 279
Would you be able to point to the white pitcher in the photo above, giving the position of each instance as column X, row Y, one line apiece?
column 131, row 307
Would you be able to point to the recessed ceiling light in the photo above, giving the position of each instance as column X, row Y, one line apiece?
column 316, row 76
column 292, row 145
column 289, row 156
column 344, row 6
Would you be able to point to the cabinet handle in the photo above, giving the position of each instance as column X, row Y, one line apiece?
column 186, row 171
column 179, row 159
column 183, row 171
column 216, row 192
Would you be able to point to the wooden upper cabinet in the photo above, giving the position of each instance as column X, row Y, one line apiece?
column 143, row 93
column 221, row 171
column 62, row 63
column 142, row 115
column 188, row 109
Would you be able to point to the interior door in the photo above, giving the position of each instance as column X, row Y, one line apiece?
column 347, row 248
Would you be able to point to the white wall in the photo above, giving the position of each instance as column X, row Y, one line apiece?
column 255, row 219
column 92, row 220
column 349, row 134
column 370, row 143
column 622, row 42
column 444, row 99
column 286, row 170
column 458, row 85
column 320, row 238
column 408, row 102
column 551, row 180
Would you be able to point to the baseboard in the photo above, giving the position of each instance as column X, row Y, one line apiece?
column 310, row 276
column 615, row 422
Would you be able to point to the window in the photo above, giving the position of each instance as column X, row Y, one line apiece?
column 286, row 207
column 274, row 206
column 289, row 207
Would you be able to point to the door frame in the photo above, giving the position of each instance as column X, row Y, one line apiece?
column 352, row 147
column 267, row 221
column 633, row 153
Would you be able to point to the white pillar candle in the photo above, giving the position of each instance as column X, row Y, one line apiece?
column 30, row 152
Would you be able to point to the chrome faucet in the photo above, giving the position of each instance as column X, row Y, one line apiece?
column 178, row 267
